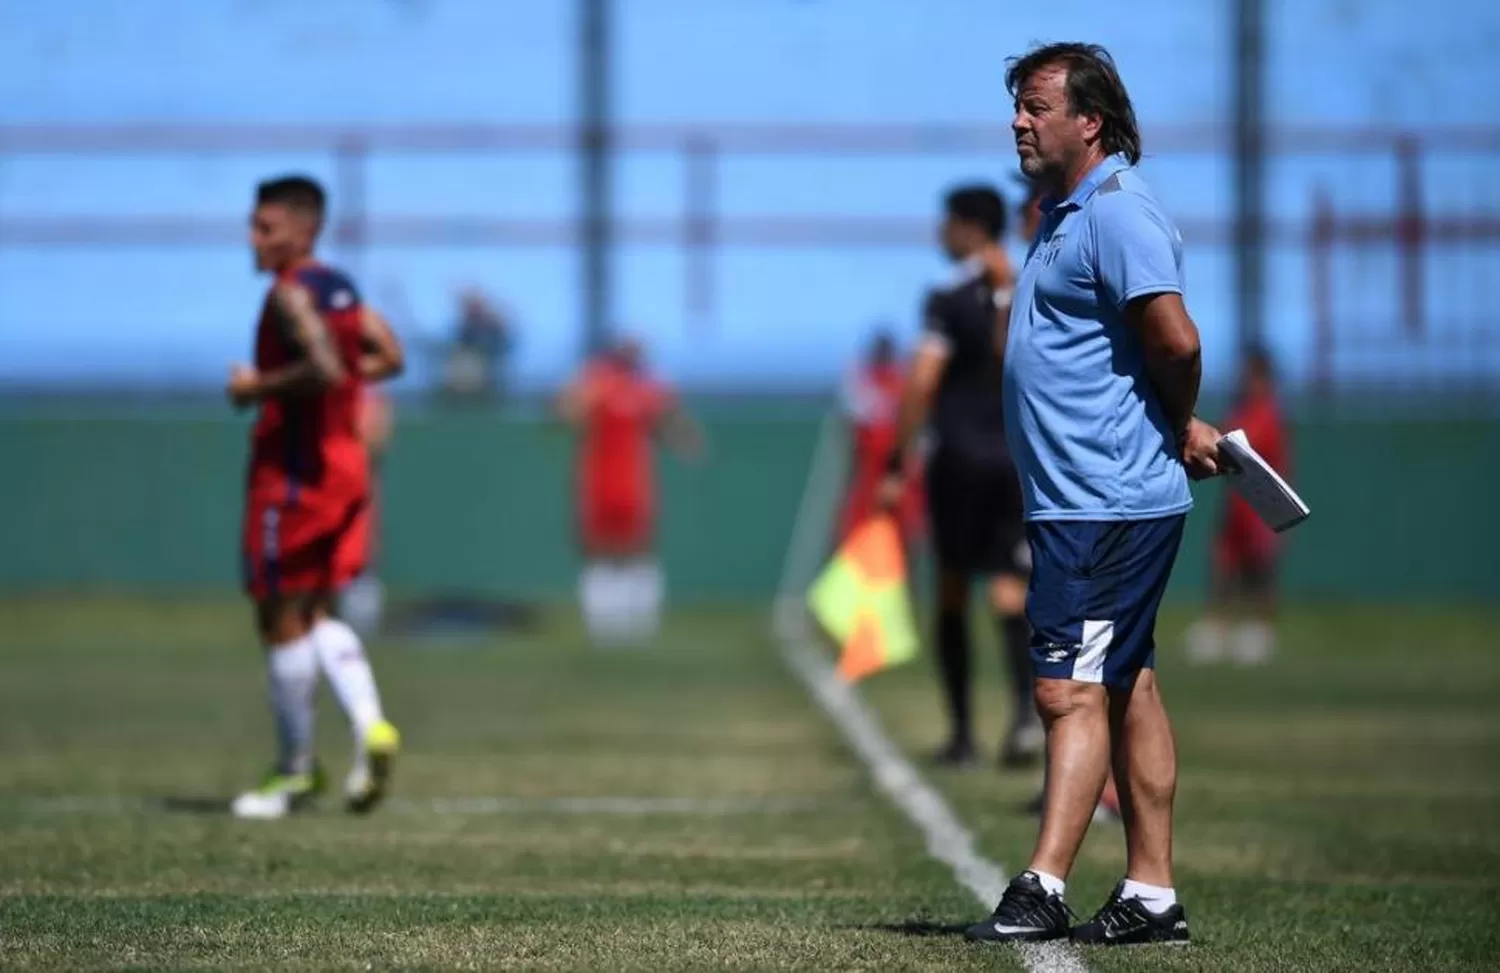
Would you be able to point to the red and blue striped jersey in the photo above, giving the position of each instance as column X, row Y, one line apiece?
column 307, row 437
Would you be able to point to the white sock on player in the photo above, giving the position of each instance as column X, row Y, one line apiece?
column 1153, row 897
column 645, row 590
column 342, row 658
column 1050, row 883
column 1207, row 640
column 1253, row 643
column 596, row 596
column 607, row 602
column 292, row 670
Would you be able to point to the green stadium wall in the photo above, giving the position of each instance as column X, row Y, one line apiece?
column 481, row 504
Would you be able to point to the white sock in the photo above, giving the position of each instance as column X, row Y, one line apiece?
column 1051, row 883
column 605, row 600
column 1254, row 643
column 292, row 671
column 342, row 657
column 1153, row 897
column 646, row 590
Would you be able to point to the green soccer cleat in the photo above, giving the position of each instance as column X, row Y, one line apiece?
column 370, row 779
column 278, row 795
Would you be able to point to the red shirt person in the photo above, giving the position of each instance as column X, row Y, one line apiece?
column 1244, row 543
column 1238, row 624
column 620, row 410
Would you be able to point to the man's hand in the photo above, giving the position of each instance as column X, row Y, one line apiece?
column 1200, row 449
column 244, row 385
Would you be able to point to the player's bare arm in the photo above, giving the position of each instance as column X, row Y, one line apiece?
column 374, row 423
column 382, row 357
column 1174, row 361
column 319, row 366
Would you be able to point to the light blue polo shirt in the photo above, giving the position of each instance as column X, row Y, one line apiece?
column 1089, row 438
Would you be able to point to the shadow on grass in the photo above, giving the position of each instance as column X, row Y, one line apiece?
column 919, row 927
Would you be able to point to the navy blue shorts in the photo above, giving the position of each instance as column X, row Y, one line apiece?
column 1095, row 590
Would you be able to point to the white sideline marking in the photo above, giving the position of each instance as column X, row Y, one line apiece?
column 948, row 841
column 470, row 806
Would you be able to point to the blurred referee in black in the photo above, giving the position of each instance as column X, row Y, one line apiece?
column 974, row 497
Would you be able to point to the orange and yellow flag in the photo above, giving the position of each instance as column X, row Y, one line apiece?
column 862, row 600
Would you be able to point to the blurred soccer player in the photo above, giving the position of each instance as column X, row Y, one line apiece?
column 872, row 401
column 619, row 408
column 362, row 601
column 307, row 510
column 973, row 496
column 1239, row 621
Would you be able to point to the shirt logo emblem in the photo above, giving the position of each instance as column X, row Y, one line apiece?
column 1049, row 250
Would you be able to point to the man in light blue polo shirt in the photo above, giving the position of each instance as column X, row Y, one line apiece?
column 1102, row 367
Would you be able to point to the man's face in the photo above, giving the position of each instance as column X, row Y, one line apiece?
column 279, row 235
column 1050, row 139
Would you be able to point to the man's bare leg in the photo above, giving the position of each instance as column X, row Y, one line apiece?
column 292, row 676
column 1145, row 761
column 1076, row 717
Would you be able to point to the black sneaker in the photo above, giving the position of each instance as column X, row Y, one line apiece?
column 1127, row 922
column 1026, row 913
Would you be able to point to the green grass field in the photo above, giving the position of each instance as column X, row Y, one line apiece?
column 688, row 807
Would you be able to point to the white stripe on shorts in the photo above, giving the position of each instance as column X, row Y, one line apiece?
column 1089, row 665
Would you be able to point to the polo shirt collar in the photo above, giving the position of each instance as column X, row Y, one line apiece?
column 1105, row 168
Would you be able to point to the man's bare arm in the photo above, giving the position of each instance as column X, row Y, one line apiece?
column 374, row 423
column 1174, row 362
column 383, row 356
column 1174, row 358
column 318, row 368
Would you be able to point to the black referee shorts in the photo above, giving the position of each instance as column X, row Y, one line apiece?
column 974, row 508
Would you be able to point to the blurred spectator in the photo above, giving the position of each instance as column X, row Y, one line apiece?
column 481, row 342
column 619, row 408
column 1239, row 621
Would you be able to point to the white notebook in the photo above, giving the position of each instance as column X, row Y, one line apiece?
column 1262, row 487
